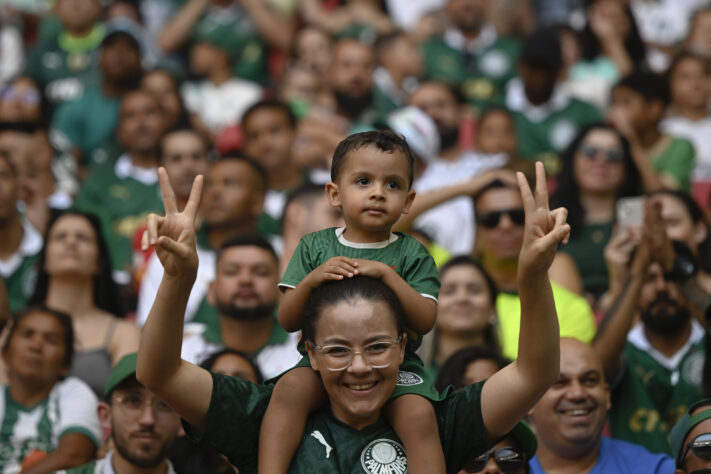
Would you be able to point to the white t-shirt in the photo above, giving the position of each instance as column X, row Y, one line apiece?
column 223, row 105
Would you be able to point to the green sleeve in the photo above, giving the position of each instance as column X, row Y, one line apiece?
column 420, row 270
column 677, row 162
column 300, row 265
column 233, row 420
column 461, row 426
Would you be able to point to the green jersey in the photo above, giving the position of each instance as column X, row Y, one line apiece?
column 587, row 247
column 481, row 67
column 70, row 407
column 62, row 64
column 19, row 272
column 655, row 391
column 122, row 195
column 328, row 445
column 674, row 162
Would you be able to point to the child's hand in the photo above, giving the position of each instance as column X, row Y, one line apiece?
column 543, row 229
column 335, row 268
column 371, row 268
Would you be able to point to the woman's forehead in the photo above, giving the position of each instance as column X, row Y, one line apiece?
column 355, row 321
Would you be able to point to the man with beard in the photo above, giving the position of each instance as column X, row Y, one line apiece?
column 655, row 366
column 142, row 427
column 569, row 419
column 124, row 192
column 350, row 79
column 450, row 224
column 245, row 294
column 471, row 54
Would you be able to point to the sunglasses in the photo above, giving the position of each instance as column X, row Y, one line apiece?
column 592, row 152
column 701, row 447
column 510, row 460
column 491, row 219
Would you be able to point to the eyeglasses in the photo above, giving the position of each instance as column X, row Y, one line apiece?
column 510, row 460
column 701, row 446
column 133, row 403
column 27, row 97
column 490, row 220
column 376, row 354
column 592, row 152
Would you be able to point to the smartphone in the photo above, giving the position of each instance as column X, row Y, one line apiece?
column 630, row 212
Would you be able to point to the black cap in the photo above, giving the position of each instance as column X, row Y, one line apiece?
column 123, row 27
column 542, row 49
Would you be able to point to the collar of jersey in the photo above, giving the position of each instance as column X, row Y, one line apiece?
column 517, row 101
column 363, row 245
column 75, row 44
column 637, row 338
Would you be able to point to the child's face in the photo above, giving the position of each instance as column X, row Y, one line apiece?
column 630, row 106
column 372, row 190
column 496, row 134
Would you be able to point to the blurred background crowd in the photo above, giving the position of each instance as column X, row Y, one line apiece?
column 613, row 96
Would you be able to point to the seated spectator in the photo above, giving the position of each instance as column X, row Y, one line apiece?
column 362, row 19
column 656, row 363
column 64, row 62
column 22, row 101
column 219, row 100
column 82, row 126
column 20, row 242
column 49, row 421
column 689, row 440
column 140, row 441
column 312, row 49
column 164, row 86
column 122, row 192
column 597, row 171
column 469, row 365
column 499, row 236
column 639, row 103
column 466, row 310
column 689, row 79
column 74, row 276
column 546, row 116
column 570, row 417
column 471, row 54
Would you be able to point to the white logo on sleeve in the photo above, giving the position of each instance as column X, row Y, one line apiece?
column 319, row 437
column 405, row 378
column 384, row 456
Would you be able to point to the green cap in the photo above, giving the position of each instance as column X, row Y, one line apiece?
column 125, row 368
column 686, row 424
column 524, row 436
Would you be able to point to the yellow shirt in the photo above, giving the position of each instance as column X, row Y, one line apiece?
column 574, row 317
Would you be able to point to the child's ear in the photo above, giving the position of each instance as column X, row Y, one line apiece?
column 408, row 202
column 333, row 194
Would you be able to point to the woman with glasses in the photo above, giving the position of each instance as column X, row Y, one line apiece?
column 48, row 422
column 597, row 171
column 355, row 336
column 21, row 101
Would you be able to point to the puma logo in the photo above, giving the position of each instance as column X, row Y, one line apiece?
column 319, row 437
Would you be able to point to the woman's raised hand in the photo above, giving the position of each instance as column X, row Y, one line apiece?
column 544, row 228
column 173, row 235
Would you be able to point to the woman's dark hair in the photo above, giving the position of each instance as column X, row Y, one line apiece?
column 453, row 370
column 590, row 46
column 697, row 216
column 105, row 289
column 568, row 193
column 208, row 363
column 64, row 320
column 349, row 290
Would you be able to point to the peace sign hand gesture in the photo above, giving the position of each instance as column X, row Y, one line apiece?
column 544, row 228
column 173, row 235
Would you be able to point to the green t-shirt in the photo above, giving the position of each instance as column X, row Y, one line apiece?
column 122, row 202
column 401, row 252
column 86, row 123
column 481, row 73
column 651, row 397
column 19, row 271
column 675, row 162
column 62, row 65
column 328, row 445
column 586, row 248
column 575, row 318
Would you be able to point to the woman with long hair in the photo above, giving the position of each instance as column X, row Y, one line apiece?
column 74, row 276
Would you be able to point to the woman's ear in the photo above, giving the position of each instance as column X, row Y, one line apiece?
column 312, row 355
column 700, row 232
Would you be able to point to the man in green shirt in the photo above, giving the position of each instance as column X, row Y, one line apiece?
column 122, row 193
column 655, row 365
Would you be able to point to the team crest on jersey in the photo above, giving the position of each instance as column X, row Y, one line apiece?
column 384, row 456
column 408, row 378
column 692, row 369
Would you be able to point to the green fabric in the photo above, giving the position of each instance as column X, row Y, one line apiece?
column 383, row 105
column 675, row 162
column 86, row 123
column 122, row 205
column 544, row 140
column 586, row 248
column 62, row 66
column 41, row 440
column 575, row 318
column 405, row 255
column 83, row 469
column 21, row 283
column 650, row 399
column 277, row 336
column 328, row 446
column 482, row 77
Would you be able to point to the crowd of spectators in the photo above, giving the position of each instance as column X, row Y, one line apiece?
column 612, row 96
